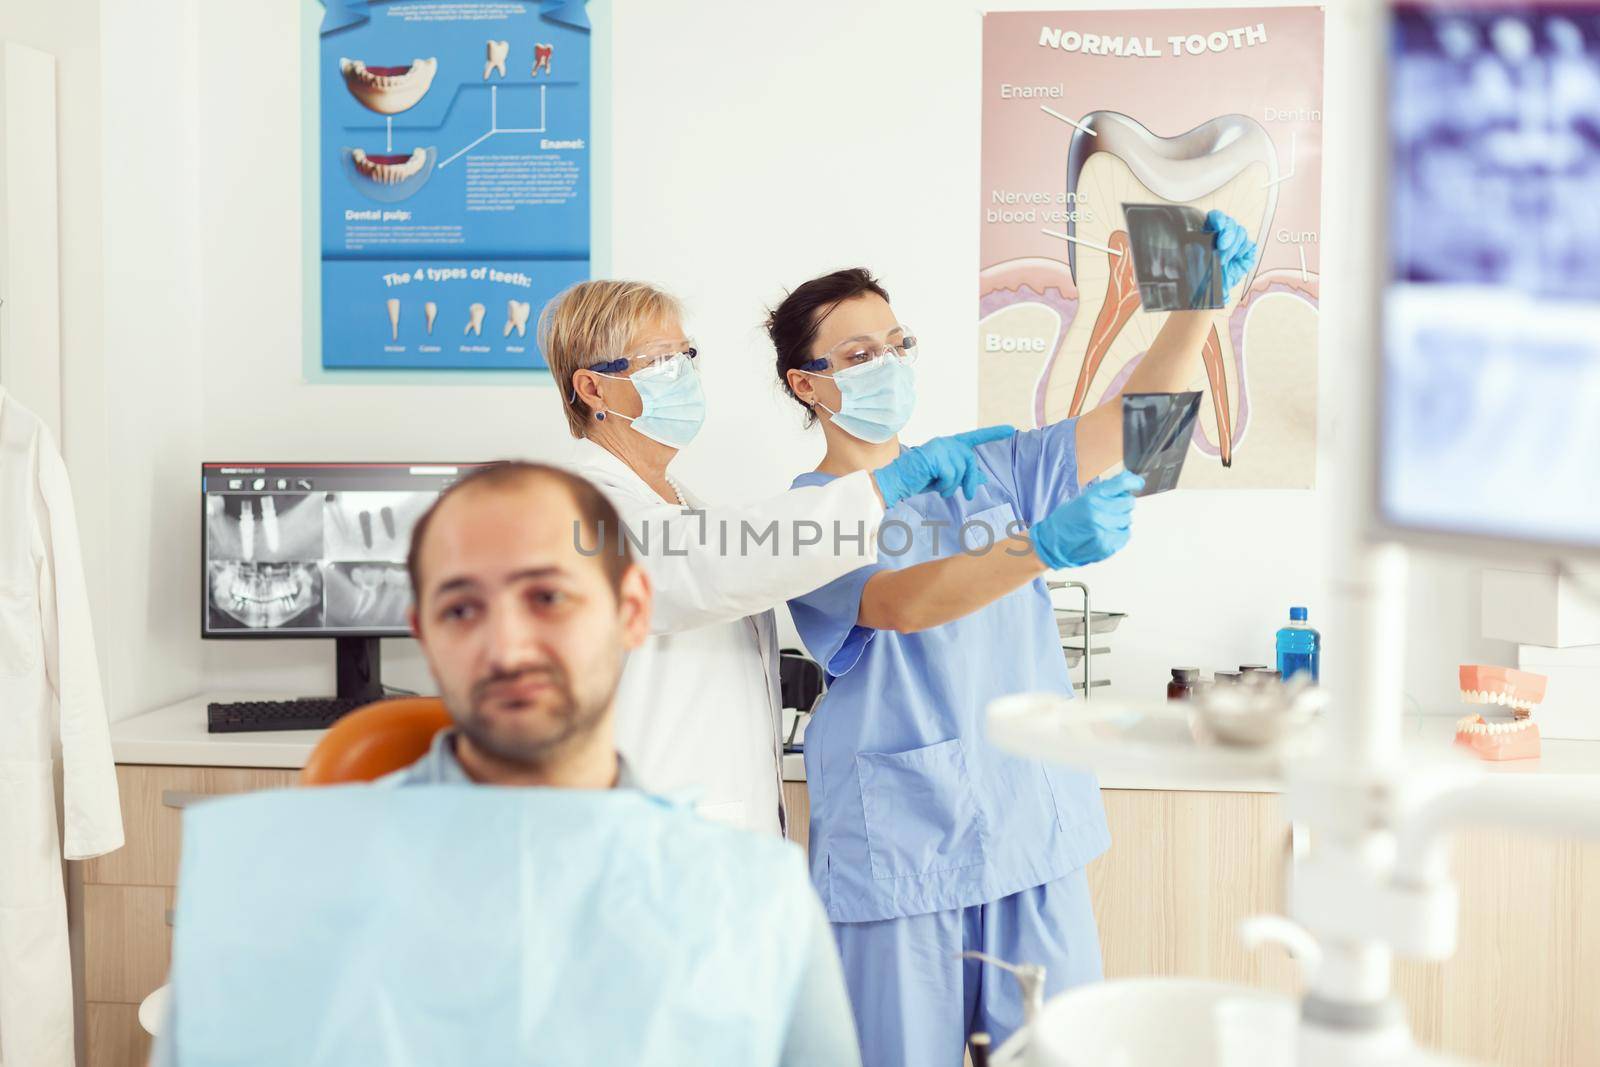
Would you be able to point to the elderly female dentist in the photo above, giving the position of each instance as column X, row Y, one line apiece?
column 927, row 842
column 698, row 707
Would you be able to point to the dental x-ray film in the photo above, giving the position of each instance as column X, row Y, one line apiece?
column 1156, row 431
column 1175, row 258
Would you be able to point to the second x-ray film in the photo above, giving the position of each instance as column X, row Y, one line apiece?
column 1156, row 431
column 1175, row 258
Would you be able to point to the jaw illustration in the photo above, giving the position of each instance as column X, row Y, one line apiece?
column 388, row 90
column 1228, row 163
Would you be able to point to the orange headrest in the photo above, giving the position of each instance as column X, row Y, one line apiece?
column 372, row 741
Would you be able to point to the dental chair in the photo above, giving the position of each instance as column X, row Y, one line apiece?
column 368, row 743
column 374, row 740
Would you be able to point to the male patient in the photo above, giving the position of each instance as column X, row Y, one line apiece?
column 575, row 921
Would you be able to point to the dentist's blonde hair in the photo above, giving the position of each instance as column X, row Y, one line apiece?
column 593, row 322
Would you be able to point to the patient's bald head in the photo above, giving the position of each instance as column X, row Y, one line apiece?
column 526, row 601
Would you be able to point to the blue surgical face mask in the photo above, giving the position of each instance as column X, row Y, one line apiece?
column 674, row 404
column 875, row 399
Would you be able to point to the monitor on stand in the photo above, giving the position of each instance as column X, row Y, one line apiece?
column 314, row 550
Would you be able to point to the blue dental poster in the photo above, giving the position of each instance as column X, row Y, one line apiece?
column 455, row 178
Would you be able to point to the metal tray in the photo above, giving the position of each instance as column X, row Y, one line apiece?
column 1069, row 622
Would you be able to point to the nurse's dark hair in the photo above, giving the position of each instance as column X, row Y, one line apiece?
column 598, row 533
column 793, row 324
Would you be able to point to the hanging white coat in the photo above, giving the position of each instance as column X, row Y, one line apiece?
column 49, row 696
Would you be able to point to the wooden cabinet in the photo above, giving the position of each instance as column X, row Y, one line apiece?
column 1184, row 867
column 128, row 898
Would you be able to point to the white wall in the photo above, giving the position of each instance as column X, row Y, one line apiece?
column 753, row 146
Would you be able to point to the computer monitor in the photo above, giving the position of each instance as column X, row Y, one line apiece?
column 1489, row 403
column 306, row 550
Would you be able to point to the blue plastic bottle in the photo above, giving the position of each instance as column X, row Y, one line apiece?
column 1299, row 647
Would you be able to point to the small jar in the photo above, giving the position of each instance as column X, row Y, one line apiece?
column 1228, row 677
column 1184, row 680
column 1247, row 668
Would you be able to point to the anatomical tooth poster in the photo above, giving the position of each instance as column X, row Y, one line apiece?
column 454, row 178
column 1085, row 112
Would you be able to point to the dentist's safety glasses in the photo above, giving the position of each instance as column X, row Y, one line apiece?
column 662, row 358
column 896, row 341
column 1156, row 431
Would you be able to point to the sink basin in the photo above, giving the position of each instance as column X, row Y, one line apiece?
column 1159, row 1022
column 1168, row 1022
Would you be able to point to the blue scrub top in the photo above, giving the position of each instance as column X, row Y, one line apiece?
column 912, row 810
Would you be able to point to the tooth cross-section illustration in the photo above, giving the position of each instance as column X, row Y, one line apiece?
column 1229, row 164
column 474, row 320
column 498, row 51
column 517, row 317
column 388, row 90
column 542, row 54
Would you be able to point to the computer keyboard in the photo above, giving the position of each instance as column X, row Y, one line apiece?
column 315, row 713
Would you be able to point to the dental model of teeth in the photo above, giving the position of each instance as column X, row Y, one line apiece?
column 498, row 51
column 517, row 317
column 1520, row 691
column 474, row 320
column 388, row 90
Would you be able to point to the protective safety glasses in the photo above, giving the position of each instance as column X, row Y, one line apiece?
column 664, row 356
column 662, row 359
column 897, row 342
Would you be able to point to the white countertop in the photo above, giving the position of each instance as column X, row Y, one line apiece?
column 176, row 735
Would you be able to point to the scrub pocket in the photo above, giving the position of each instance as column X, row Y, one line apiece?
column 19, row 631
column 919, row 811
column 989, row 527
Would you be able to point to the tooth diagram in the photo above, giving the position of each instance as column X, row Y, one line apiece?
column 430, row 311
column 389, row 177
column 474, row 320
column 1228, row 163
column 542, row 54
column 517, row 317
column 394, row 318
column 388, row 90
column 496, row 61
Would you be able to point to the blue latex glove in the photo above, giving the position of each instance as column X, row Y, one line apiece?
column 1089, row 527
column 1234, row 247
column 944, row 464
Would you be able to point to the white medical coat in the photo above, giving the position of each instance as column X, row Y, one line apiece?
column 699, row 710
column 49, row 696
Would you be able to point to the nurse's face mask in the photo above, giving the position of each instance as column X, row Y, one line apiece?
column 877, row 387
column 673, row 403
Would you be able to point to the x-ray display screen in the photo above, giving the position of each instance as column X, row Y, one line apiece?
column 1490, row 402
column 312, row 550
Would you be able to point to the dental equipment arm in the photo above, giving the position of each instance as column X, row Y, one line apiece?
column 1175, row 359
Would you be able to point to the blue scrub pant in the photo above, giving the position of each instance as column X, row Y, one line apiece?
column 915, row 1003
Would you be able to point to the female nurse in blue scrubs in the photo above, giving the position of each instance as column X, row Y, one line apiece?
column 925, row 840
